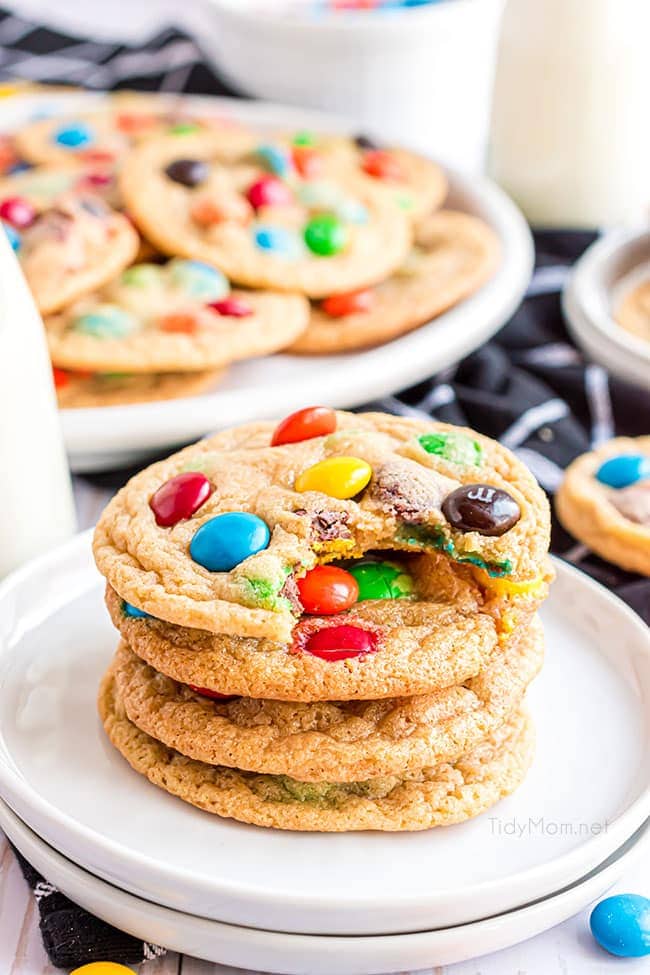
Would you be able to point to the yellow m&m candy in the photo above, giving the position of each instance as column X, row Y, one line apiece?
column 102, row 968
column 338, row 477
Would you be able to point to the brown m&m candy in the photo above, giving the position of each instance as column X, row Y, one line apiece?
column 481, row 508
column 188, row 172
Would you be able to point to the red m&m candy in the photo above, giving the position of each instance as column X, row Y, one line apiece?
column 231, row 308
column 352, row 303
column 213, row 695
column 269, row 191
column 17, row 211
column 179, row 498
column 185, row 324
column 382, row 165
column 341, row 642
column 313, row 421
column 327, row 590
column 61, row 377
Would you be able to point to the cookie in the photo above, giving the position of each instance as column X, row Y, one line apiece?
column 102, row 136
column 604, row 501
column 74, row 245
column 168, row 318
column 633, row 313
column 78, row 390
column 41, row 185
column 420, row 800
column 225, row 547
column 341, row 741
column 454, row 254
column 261, row 230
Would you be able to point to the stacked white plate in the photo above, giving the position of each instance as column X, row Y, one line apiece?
column 103, row 438
column 285, row 902
column 599, row 280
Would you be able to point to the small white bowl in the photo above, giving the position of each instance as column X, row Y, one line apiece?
column 421, row 76
column 597, row 283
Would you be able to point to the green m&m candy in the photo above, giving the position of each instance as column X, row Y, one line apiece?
column 325, row 235
column 456, row 447
column 381, row 580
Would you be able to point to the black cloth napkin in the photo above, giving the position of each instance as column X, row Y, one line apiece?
column 529, row 387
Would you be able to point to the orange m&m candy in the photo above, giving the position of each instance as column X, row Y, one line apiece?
column 382, row 165
column 180, row 322
column 313, row 421
column 327, row 590
column 352, row 303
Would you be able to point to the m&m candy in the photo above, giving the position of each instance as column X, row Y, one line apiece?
column 180, row 498
column 225, row 541
column 275, row 159
column 352, row 303
column 183, row 323
column 184, row 128
column 17, row 211
column 12, row 235
column 142, row 276
column 382, row 165
column 481, row 508
column 313, row 421
column 73, row 136
column 341, row 643
column 307, row 161
column 338, row 477
column 188, row 172
column 129, row 610
column 621, row 925
column 456, row 447
column 231, row 308
column 277, row 239
column 624, row 470
column 105, row 322
column 61, row 377
column 327, row 590
column 351, row 211
column 198, row 279
column 325, row 235
column 381, row 580
column 208, row 210
column 269, row 191
column 304, row 138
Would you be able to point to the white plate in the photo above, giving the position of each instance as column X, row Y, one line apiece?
column 586, row 794
column 291, row 954
column 595, row 286
column 99, row 439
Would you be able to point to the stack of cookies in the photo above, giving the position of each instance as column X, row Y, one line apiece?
column 161, row 247
column 329, row 624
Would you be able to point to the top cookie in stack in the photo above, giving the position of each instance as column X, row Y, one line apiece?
column 162, row 246
column 335, row 558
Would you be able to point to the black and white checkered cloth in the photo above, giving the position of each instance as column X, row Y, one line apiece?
column 529, row 387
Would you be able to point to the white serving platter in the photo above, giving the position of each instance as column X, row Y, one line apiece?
column 588, row 791
column 294, row 954
column 597, row 283
column 100, row 439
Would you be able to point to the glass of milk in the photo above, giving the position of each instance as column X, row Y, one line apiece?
column 570, row 136
column 36, row 506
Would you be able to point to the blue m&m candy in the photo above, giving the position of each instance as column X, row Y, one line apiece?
column 13, row 236
column 198, row 279
column 105, row 322
column 621, row 925
column 275, row 159
column 277, row 239
column 226, row 540
column 130, row 610
column 621, row 471
column 73, row 136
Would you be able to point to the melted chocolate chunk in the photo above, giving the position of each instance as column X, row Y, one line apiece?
column 409, row 491
column 328, row 524
column 290, row 592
